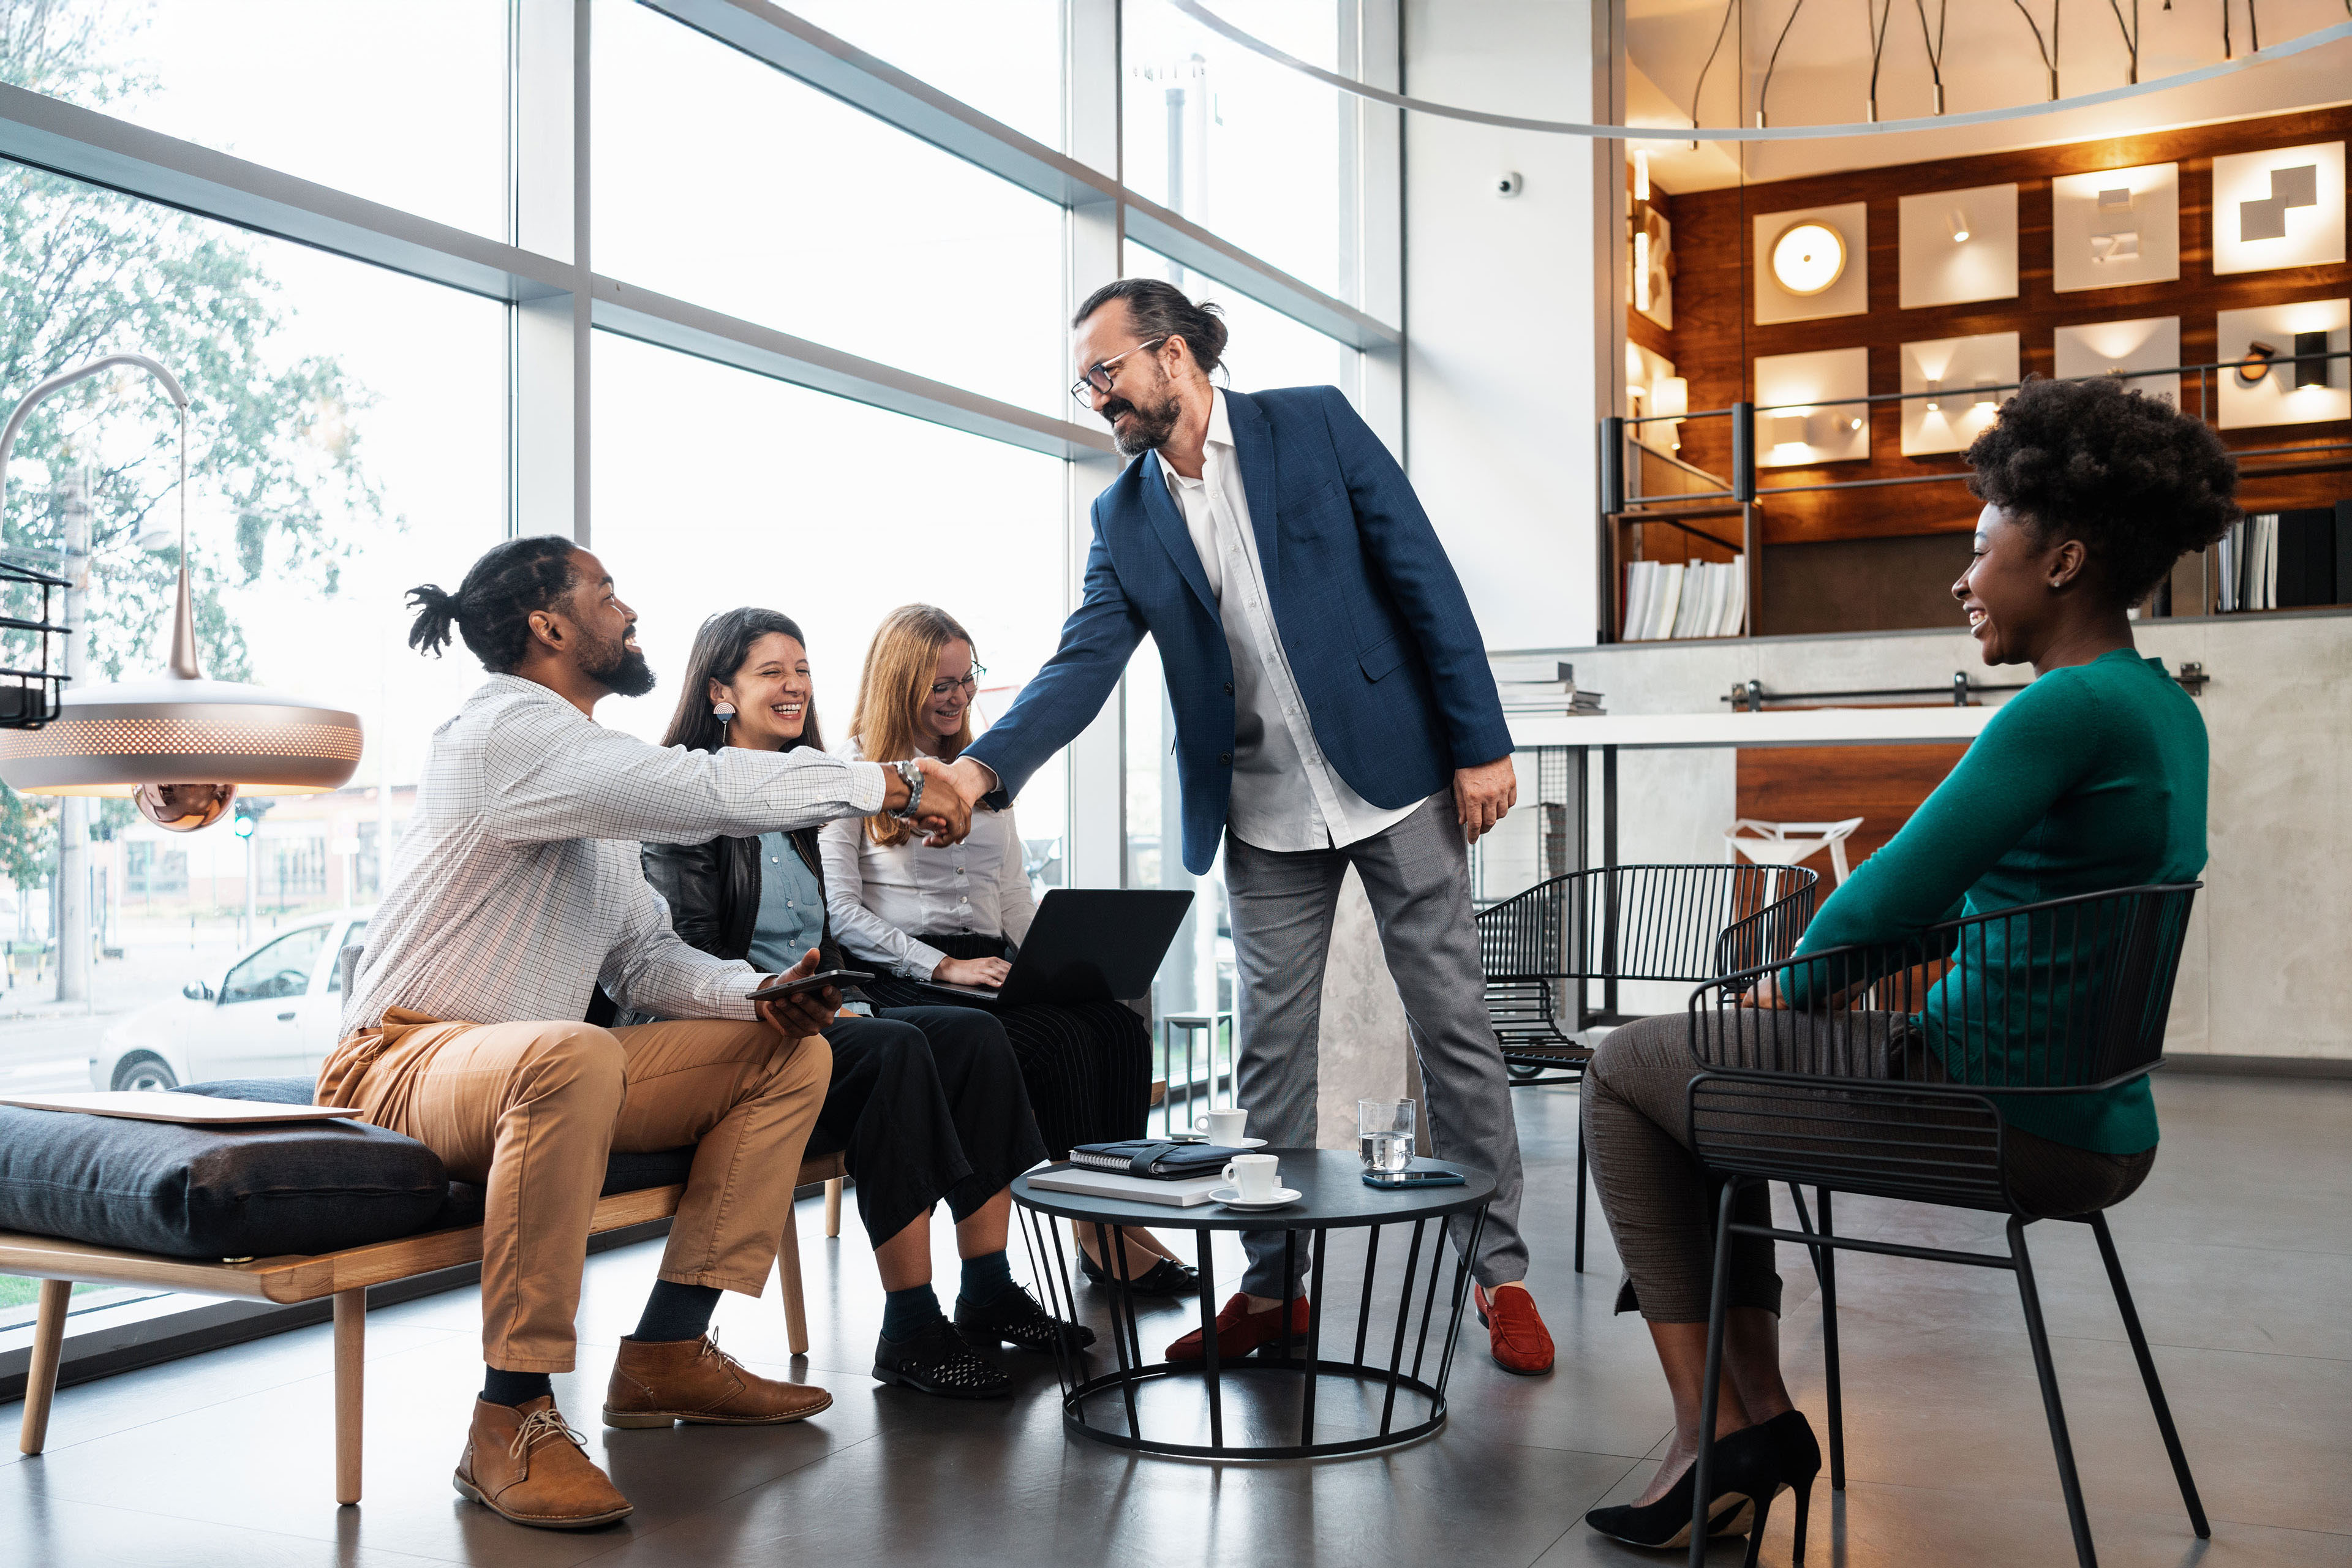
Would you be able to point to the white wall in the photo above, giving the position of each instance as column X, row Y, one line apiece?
column 1505, row 380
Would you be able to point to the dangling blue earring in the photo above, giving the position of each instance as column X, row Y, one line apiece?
column 725, row 713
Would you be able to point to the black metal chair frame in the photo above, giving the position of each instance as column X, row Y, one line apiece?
column 2089, row 1024
column 1613, row 923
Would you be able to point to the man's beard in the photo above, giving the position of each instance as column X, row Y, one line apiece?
column 1153, row 423
column 621, row 670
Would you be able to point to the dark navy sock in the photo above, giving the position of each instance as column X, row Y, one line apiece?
column 513, row 1388
column 905, row 1313
column 677, row 1311
column 986, row 1278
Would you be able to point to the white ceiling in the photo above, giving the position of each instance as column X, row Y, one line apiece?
column 1990, row 60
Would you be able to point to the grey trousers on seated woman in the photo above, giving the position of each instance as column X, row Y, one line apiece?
column 1636, row 1132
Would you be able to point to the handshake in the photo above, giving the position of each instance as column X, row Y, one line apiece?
column 944, row 814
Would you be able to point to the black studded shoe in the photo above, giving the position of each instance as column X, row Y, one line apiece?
column 935, row 1360
column 1016, row 1319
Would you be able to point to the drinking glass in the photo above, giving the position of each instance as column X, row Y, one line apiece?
column 1384, row 1135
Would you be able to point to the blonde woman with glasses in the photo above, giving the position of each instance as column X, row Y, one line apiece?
column 955, row 915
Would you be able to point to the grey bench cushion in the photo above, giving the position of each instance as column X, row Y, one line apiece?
column 258, row 1191
column 196, row 1191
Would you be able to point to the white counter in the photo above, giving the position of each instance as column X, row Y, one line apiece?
column 1788, row 727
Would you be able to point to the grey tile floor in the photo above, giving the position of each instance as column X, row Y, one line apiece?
column 2239, row 1250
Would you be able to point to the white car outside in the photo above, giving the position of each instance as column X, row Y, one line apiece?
column 272, row 1013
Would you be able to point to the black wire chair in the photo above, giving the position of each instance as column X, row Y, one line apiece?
column 1683, row 923
column 1840, row 1092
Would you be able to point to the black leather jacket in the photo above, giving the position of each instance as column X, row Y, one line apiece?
column 713, row 892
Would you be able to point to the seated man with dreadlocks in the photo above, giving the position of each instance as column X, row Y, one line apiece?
column 517, row 893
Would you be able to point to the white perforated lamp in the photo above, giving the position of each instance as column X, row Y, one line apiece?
column 180, row 744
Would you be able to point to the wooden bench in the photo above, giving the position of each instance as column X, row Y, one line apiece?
column 345, row 1276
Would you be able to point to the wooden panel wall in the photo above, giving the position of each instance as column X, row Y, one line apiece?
column 1881, row 784
column 1715, row 339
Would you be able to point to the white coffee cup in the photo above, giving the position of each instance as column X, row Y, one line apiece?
column 1223, row 1126
column 1254, row 1177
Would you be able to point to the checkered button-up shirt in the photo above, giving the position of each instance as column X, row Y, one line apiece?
column 517, row 886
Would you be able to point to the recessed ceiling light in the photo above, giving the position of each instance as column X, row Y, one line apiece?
column 1807, row 257
column 1958, row 220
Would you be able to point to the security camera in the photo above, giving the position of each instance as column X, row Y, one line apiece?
column 1510, row 185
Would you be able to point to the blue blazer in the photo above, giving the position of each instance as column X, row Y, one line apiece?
column 1371, row 616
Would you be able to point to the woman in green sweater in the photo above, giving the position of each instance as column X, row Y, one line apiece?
column 2091, row 778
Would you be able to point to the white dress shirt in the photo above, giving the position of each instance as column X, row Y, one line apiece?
column 518, row 888
column 880, row 896
column 1286, row 796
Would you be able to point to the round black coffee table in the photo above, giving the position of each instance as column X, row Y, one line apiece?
column 1332, row 1197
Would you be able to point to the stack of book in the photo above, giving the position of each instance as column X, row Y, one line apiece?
column 1678, row 599
column 1527, row 686
column 2286, row 559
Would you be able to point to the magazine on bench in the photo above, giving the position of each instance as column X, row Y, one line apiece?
column 193, row 1110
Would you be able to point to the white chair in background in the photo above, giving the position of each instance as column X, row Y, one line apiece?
column 1791, row 843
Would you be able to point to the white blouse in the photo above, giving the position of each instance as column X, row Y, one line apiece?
column 881, row 896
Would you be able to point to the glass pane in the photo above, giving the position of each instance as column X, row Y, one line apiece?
column 1263, row 347
column 787, row 503
column 402, row 101
column 355, row 937
column 1004, row 59
column 347, row 442
column 1250, row 150
column 280, row 970
column 1197, row 975
column 722, row 181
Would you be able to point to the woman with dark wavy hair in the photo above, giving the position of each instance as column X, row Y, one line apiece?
column 2091, row 778
column 927, row 1104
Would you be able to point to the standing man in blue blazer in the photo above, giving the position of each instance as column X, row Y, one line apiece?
column 1333, row 708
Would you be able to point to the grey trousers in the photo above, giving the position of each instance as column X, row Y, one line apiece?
column 1417, row 875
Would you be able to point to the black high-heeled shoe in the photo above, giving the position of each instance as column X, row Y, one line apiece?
column 1797, row 1459
column 1743, row 1475
column 1165, row 1278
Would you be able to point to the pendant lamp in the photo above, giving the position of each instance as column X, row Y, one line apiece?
column 178, row 743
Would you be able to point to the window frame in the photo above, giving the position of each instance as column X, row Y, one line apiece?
column 543, row 272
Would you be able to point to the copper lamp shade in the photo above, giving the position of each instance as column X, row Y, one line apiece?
column 181, row 744
column 175, row 731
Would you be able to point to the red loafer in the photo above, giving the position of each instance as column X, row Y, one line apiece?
column 1521, row 1343
column 1241, row 1331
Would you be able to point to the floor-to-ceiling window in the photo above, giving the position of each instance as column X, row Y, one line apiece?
column 782, row 318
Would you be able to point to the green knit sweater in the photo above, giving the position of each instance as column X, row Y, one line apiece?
column 2091, row 778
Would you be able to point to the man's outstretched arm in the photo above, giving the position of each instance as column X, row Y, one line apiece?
column 1072, row 688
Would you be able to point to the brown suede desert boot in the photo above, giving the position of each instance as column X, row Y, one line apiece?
column 655, row 1383
column 528, row 1465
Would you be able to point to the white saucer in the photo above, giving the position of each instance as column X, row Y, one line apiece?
column 1232, row 1199
column 1243, row 1143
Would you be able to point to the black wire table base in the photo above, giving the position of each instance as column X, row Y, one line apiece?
column 1402, row 1388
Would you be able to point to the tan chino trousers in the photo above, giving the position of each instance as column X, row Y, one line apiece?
column 532, row 1110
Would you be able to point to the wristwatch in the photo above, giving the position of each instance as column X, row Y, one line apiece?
column 912, row 772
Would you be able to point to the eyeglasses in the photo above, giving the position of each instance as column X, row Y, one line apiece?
column 969, row 684
column 1100, row 373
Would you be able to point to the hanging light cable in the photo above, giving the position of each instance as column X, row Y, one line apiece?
column 1764, row 90
column 1877, row 50
column 2131, row 34
column 180, row 744
column 2050, row 49
column 1720, row 28
column 1935, row 45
